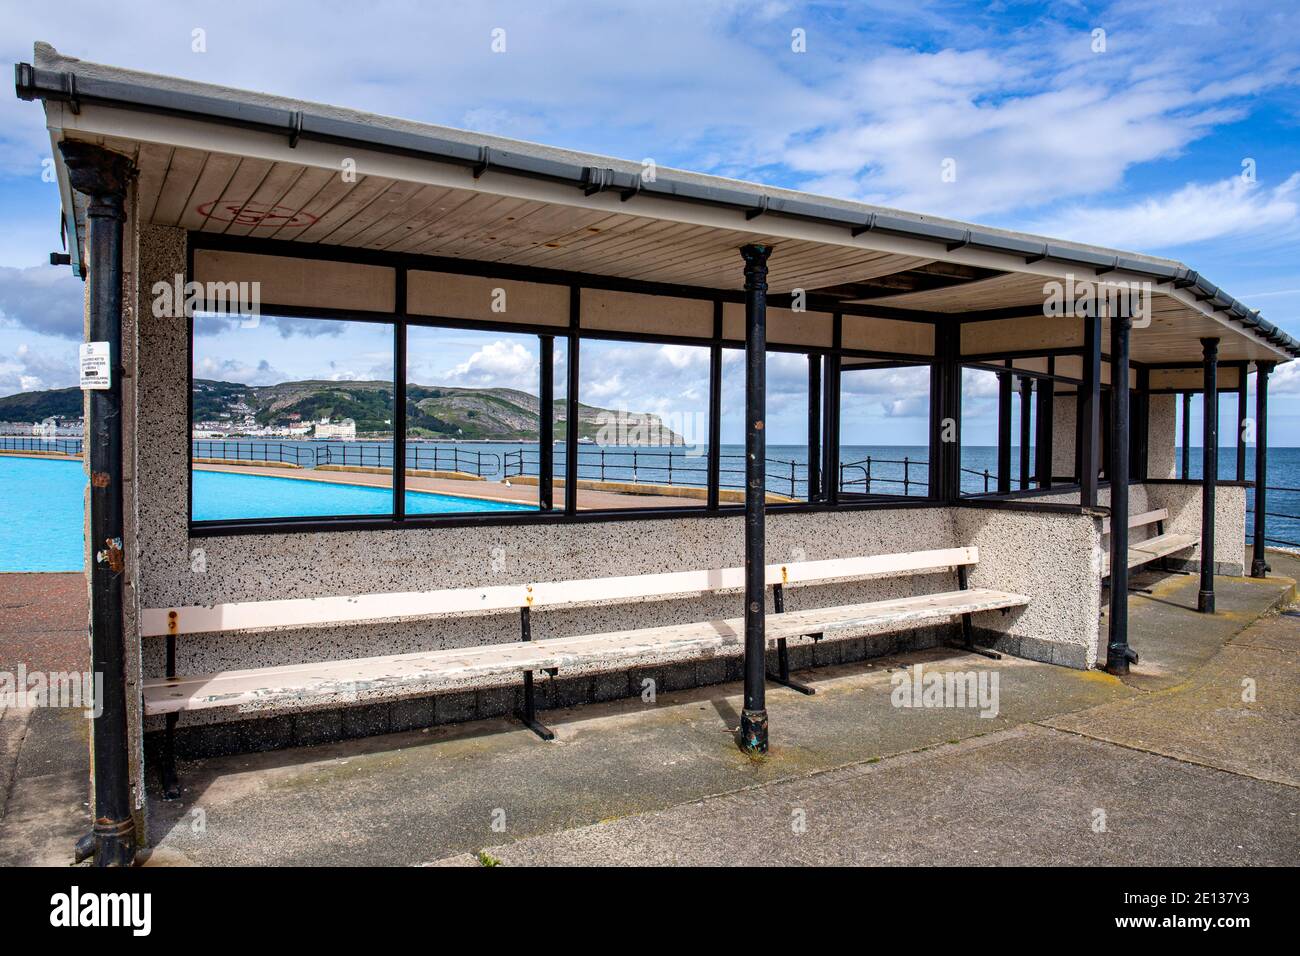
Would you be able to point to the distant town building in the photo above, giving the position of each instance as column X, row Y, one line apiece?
column 345, row 429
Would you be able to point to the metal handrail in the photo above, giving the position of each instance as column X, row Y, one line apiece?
column 62, row 446
column 868, row 477
column 1269, row 539
column 361, row 455
column 665, row 467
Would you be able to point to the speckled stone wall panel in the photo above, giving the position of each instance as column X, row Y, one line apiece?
column 1065, row 409
column 1055, row 559
column 161, row 449
column 1162, row 436
column 1183, row 501
column 1184, row 505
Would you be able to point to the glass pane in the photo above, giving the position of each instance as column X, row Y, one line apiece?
column 472, row 417
column 786, row 423
column 884, row 430
column 979, row 431
column 292, row 418
column 644, row 425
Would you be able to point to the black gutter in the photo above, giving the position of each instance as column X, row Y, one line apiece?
column 33, row 83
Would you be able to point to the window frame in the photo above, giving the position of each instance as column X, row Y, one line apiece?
column 563, row 509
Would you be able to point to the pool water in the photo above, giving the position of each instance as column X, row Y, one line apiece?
column 41, row 514
column 222, row 496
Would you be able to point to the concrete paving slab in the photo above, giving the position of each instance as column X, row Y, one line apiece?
column 1028, row 796
column 1238, row 712
column 408, row 798
column 1173, row 638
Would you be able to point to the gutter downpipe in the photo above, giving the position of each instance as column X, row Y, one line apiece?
column 103, row 176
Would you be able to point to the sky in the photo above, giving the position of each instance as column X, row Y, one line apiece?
column 1169, row 128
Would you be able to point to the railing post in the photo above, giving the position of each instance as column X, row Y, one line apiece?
column 1259, row 565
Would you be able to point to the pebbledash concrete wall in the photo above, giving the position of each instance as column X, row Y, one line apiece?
column 1183, row 502
column 1060, row 624
column 1161, row 435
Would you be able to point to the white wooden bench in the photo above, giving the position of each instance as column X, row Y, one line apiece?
column 1156, row 548
column 428, row 672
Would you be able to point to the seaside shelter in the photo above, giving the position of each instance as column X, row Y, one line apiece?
column 215, row 634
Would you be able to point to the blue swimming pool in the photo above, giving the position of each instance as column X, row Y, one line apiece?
column 221, row 496
column 41, row 514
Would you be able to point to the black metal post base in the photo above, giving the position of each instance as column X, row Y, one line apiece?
column 1259, row 569
column 111, row 843
column 1205, row 602
column 752, row 737
column 1118, row 658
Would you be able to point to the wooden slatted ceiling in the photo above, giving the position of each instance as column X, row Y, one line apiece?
column 993, row 293
column 250, row 197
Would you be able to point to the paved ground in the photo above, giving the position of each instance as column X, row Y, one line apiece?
column 1171, row 766
column 44, row 754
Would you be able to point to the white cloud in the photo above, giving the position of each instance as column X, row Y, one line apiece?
column 1195, row 213
column 499, row 364
column 1285, row 379
column 27, row 369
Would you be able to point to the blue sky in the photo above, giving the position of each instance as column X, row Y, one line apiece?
column 1138, row 146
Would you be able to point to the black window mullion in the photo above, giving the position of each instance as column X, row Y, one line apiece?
column 714, row 479
column 546, row 424
column 571, row 407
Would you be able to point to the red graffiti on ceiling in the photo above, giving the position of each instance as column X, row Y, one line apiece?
column 256, row 214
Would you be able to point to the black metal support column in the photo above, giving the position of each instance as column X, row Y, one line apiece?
column 1242, row 416
column 1140, row 437
column 814, row 426
column 1118, row 653
column 753, row 718
column 1043, row 444
column 1089, row 412
column 103, row 176
column 1187, row 435
column 1209, row 472
column 1259, row 566
column 399, row 406
column 1004, row 432
column 831, row 415
column 546, row 423
column 571, row 406
column 945, row 417
column 1026, row 433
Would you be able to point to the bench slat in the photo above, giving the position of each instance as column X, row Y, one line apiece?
column 430, row 671
column 326, row 611
column 1139, row 520
column 1152, row 549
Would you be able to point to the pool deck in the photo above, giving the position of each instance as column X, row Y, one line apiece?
column 460, row 488
column 1181, row 769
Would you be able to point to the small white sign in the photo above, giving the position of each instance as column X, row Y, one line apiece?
column 95, row 370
